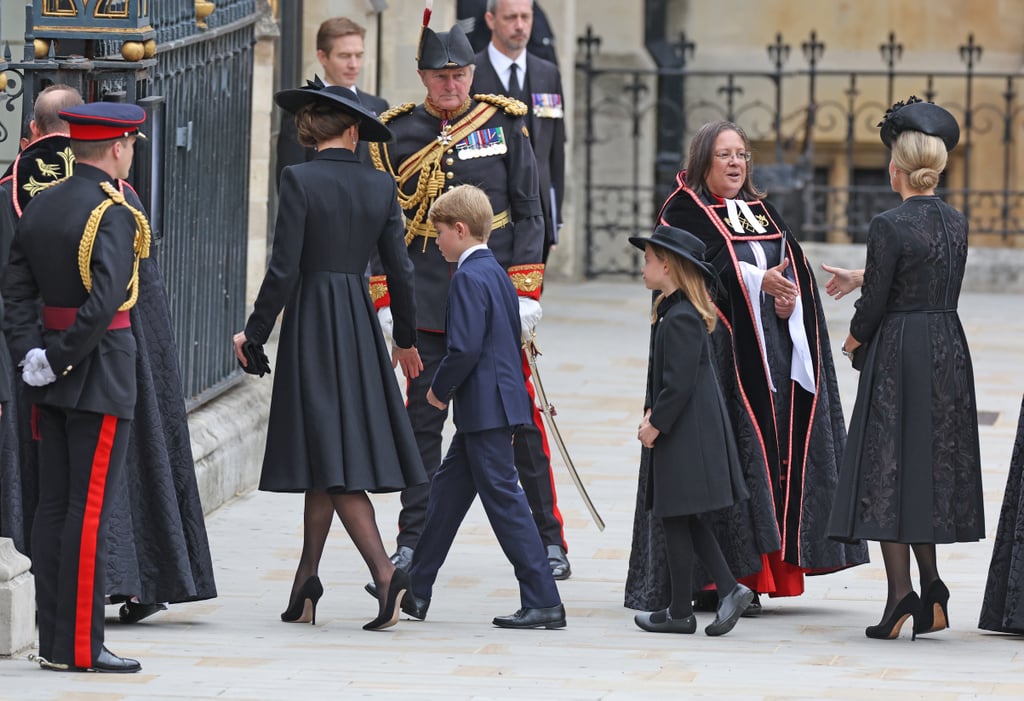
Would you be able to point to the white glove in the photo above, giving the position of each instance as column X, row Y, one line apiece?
column 387, row 323
column 36, row 370
column 529, row 316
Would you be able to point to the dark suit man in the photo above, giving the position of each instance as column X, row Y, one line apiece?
column 470, row 16
column 481, row 372
column 77, row 250
column 541, row 90
column 339, row 49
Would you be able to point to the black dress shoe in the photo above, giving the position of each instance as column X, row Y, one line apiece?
column 412, row 605
column 106, row 661
column 558, row 562
column 668, row 625
column 132, row 612
column 402, row 559
column 550, row 617
column 754, row 608
column 730, row 608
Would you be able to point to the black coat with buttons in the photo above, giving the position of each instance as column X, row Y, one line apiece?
column 694, row 464
column 95, row 366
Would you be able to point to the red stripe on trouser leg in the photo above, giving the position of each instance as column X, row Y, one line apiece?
column 87, row 549
column 538, row 421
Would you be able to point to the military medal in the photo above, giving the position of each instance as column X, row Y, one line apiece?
column 444, row 138
column 547, row 105
column 483, row 142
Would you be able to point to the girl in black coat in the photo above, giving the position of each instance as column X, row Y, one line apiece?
column 694, row 465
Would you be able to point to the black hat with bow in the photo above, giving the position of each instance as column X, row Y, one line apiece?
column 917, row 115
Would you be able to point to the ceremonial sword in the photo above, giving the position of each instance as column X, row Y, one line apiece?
column 549, row 417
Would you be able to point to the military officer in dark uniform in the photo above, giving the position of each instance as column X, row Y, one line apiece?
column 77, row 251
column 449, row 140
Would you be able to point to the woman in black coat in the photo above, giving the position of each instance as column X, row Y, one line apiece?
column 911, row 474
column 686, row 433
column 338, row 426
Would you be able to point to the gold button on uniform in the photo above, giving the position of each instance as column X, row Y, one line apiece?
column 450, row 162
column 449, row 175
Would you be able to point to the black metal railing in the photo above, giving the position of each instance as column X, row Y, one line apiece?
column 814, row 133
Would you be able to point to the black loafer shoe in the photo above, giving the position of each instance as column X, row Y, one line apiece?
column 558, row 562
column 131, row 612
column 669, row 625
column 106, row 661
column 730, row 608
column 412, row 605
column 550, row 617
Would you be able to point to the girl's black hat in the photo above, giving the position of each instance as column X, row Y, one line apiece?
column 680, row 242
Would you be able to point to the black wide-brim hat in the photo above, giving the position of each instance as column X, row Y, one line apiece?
column 925, row 117
column 680, row 242
column 370, row 128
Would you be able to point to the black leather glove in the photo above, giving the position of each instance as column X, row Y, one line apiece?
column 256, row 360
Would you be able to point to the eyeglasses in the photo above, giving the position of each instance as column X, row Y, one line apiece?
column 726, row 156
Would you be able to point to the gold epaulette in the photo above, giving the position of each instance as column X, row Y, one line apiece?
column 396, row 111
column 511, row 106
column 141, row 244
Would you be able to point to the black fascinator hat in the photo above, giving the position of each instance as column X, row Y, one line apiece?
column 343, row 99
column 917, row 115
column 680, row 242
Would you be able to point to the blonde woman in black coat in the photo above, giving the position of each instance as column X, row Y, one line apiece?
column 338, row 426
column 694, row 465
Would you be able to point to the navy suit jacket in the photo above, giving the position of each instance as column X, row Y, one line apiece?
column 482, row 369
column 547, row 134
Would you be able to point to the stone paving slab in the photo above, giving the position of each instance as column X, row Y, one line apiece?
column 594, row 337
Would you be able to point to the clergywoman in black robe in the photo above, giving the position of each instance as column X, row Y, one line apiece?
column 911, row 475
column 778, row 378
column 338, row 426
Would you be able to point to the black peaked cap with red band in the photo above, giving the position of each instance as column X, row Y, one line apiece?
column 102, row 121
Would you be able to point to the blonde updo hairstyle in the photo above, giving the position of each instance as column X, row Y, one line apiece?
column 921, row 156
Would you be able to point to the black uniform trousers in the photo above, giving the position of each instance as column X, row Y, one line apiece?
column 532, row 456
column 480, row 462
column 80, row 454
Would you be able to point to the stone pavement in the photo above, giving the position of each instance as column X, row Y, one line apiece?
column 594, row 337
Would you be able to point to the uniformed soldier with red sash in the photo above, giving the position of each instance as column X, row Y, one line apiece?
column 448, row 140
column 77, row 251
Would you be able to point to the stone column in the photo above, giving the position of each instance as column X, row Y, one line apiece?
column 17, row 600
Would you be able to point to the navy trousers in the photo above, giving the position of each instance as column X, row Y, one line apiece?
column 80, row 454
column 481, row 463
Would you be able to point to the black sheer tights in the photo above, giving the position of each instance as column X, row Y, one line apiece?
column 357, row 516
column 687, row 537
column 896, row 557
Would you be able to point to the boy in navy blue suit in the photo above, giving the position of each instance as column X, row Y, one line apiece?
column 482, row 372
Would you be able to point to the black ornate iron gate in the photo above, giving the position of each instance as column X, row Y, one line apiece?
column 814, row 133
column 194, row 178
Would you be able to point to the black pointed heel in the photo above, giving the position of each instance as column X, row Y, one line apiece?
column 889, row 629
column 934, row 614
column 391, row 605
column 303, row 607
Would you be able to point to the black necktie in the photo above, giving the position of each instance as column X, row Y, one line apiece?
column 513, row 83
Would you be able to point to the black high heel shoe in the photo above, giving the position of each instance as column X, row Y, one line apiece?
column 889, row 629
column 391, row 605
column 934, row 615
column 303, row 607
